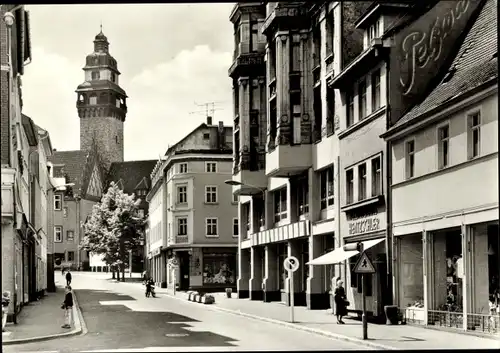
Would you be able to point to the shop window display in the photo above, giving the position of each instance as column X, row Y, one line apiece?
column 219, row 269
column 411, row 283
column 447, row 277
column 493, row 269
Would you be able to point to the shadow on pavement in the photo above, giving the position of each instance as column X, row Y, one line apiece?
column 117, row 326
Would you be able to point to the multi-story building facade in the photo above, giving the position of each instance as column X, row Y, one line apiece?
column 361, row 180
column 193, row 215
column 444, row 157
column 362, row 84
column 299, row 216
column 15, row 148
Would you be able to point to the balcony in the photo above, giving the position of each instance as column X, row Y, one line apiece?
column 286, row 15
column 181, row 239
column 286, row 160
column 253, row 182
column 278, row 234
column 247, row 63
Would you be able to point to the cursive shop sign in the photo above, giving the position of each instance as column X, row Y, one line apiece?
column 422, row 51
column 364, row 225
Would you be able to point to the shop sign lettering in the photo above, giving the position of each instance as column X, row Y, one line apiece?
column 364, row 225
column 423, row 48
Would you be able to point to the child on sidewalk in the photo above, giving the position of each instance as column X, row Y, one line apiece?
column 67, row 306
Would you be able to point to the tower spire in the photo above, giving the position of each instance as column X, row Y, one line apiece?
column 101, row 26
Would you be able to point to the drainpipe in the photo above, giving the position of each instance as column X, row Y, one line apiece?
column 77, row 252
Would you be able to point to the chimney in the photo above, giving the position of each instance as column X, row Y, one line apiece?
column 209, row 120
column 221, row 136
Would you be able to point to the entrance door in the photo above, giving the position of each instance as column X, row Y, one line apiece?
column 382, row 279
column 184, row 270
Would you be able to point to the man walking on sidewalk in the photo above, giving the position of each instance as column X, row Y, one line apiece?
column 68, row 278
column 67, row 305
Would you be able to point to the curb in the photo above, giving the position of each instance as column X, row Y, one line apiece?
column 290, row 325
column 79, row 323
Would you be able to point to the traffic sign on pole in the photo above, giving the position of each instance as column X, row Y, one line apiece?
column 364, row 265
column 291, row 264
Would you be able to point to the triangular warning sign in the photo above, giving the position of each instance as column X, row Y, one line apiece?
column 364, row 265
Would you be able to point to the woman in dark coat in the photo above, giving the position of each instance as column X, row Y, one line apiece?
column 340, row 302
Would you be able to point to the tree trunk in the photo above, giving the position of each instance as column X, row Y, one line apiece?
column 117, row 273
column 113, row 271
column 123, row 272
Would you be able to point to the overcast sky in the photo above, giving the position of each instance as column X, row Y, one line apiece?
column 169, row 55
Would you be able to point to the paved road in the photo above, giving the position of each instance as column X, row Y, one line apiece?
column 119, row 318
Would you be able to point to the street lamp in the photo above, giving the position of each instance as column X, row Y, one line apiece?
column 237, row 183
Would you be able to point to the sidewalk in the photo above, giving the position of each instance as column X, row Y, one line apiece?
column 395, row 337
column 42, row 320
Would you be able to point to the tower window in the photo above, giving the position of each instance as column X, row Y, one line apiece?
column 117, row 103
column 80, row 98
column 93, row 99
column 113, row 77
column 95, row 75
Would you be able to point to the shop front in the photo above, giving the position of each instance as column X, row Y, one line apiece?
column 449, row 277
column 219, row 269
column 367, row 225
column 208, row 269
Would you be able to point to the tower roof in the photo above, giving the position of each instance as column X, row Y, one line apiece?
column 101, row 37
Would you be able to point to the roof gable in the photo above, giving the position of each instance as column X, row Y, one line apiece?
column 130, row 174
column 69, row 164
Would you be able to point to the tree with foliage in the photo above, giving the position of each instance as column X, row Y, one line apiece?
column 114, row 228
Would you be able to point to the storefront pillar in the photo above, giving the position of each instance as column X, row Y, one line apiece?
column 427, row 270
column 163, row 270
column 255, row 282
column 464, row 270
column 293, row 249
column 315, row 298
column 270, row 288
column 244, row 268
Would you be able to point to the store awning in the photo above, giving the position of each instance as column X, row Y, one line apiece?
column 339, row 255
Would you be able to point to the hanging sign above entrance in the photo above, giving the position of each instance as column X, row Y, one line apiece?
column 364, row 265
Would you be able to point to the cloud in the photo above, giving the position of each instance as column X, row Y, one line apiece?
column 159, row 103
column 161, row 98
column 170, row 56
column 49, row 97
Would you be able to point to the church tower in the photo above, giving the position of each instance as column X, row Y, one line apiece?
column 101, row 104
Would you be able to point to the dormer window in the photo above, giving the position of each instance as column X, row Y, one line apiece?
column 373, row 31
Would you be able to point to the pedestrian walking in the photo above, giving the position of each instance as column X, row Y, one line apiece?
column 67, row 306
column 340, row 302
column 5, row 308
column 68, row 278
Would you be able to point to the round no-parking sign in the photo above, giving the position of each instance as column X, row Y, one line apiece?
column 291, row 264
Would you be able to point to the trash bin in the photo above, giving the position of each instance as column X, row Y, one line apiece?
column 391, row 314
